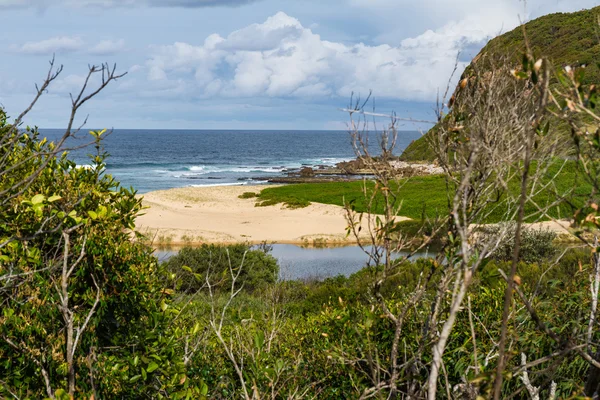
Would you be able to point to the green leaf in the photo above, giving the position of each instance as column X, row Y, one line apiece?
column 38, row 209
column 259, row 340
column 534, row 77
column 37, row 199
column 579, row 74
column 92, row 214
column 61, row 394
column 525, row 62
column 54, row 198
column 152, row 367
column 546, row 128
column 186, row 268
column 522, row 75
column 135, row 378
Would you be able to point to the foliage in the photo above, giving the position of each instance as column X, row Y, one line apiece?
column 247, row 195
column 536, row 244
column 77, row 219
column 564, row 38
column 71, row 264
column 192, row 266
column 322, row 333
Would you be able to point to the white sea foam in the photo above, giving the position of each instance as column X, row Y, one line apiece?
column 194, row 171
column 204, row 170
column 221, row 184
column 333, row 161
column 242, row 183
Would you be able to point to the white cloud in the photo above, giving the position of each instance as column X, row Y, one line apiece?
column 156, row 74
column 58, row 44
column 135, row 68
column 281, row 58
column 67, row 84
column 492, row 16
column 69, row 44
column 108, row 47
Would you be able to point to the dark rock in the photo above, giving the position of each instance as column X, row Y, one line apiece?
column 307, row 172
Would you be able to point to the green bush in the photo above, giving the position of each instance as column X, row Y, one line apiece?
column 81, row 218
column 191, row 266
column 247, row 195
column 536, row 244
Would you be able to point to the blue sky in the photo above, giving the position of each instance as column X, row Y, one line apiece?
column 247, row 64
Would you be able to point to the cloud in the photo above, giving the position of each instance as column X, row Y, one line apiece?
column 58, row 44
column 69, row 44
column 68, row 84
column 41, row 4
column 282, row 58
column 396, row 17
column 108, row 47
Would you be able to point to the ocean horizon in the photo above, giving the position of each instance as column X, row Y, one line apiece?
column 157, row 159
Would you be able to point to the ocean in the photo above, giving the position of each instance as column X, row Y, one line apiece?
column 150, row 160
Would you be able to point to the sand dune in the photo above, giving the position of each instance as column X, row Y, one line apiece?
column 217, row 215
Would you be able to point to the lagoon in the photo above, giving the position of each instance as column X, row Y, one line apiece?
column 308, row 263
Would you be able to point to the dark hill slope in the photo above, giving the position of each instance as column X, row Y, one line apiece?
column 565, row 38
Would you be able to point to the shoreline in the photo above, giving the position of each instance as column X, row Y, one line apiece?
column 193, row 216
column 215, row 214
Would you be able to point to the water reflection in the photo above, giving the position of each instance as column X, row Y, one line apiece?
column 313, row 263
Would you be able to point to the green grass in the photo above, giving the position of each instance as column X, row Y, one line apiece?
column 416, row 193
column 247, row 195
column 422, row 196
column 419, row 149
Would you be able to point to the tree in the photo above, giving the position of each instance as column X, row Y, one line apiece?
column 500, row 164
column 83, row 312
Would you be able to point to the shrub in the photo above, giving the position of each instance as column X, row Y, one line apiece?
column 191, row 266
column 73, row 228
column 247, row 195
column 536, row 244
column 266, row 203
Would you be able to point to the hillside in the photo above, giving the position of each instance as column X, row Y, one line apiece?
column 565, row 38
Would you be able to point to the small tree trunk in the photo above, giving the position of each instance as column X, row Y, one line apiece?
column 592, row 384
column 593, row 379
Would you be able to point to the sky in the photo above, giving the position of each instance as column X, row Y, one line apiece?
column 247, row 64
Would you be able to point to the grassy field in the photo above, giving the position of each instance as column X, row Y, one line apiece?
column 422, row 196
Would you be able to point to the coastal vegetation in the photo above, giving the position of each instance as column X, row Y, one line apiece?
column 499, row 311
column 563, row 38
column 426, row 197
column 248, row 195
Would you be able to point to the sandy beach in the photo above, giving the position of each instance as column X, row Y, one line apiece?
column 195, row 215
column 217, row 215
